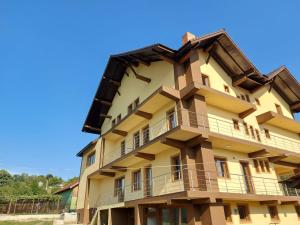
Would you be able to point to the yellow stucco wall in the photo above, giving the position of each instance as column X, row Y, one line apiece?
column 259, row 214
column 157, row 126
column 102, row 192
column 263, row 182
column 161, row 74
column 87, row 170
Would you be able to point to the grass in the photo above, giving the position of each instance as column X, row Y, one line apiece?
column 26, row 223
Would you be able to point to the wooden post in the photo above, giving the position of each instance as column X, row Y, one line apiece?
column 16, row 202
column 32, row 205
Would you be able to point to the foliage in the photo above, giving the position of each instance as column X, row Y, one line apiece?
column 24, row 186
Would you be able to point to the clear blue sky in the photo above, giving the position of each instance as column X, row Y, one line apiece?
column 53, row 53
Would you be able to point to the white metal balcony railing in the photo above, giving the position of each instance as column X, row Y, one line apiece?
column 204, row 122
column 171, row 121
column 204, row 181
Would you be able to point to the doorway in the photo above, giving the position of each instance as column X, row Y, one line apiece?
column 247, row 178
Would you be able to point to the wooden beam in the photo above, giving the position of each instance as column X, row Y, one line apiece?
column 120, row 132
column 173, row 143
column 270, row 202
column 239, row 80
column 112, row 81
column 146, row 156
column 296, row 106
column 164, row 57
column 256, row 89
column 185, row 57
column 290, row 202
column 258, row 153
column 107, row 174
column 201, row 201
column 145, row 115
column 195, row 141
column 142, row 78
column 246, row 113
column 288, row 164
column 119, row 168
column 274, row 159
column 104, row 102
column 106, row 116
column 93, row 128
column 140, row 60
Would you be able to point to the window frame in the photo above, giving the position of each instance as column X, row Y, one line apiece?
column 226, row 89
column 145, row 129
column 176, row 170
column 136, row 134
column 92, row 154
column 257, row 101
column 247, row 213
column 204, row 79
column 278, row 109
column 123, row 147
column 136, row 184
column 174, row 119
column 267, row 133
column 236, row 124
column 271, row 209
column 224, row 167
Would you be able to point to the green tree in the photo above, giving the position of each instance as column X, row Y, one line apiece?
column 5, row 178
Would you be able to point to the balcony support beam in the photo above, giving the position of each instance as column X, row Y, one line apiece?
column 270, row 202
column 145, row 115
column 173, row 143
column 275, row 159
column 104, row 102
column 258, row 153
column 107, row 174
column 246, row 113
column 239, row 80
column 119, row 168
column 195, row 141
column 120, row 132
column 147, row 156
column 290, row 202
column 288, row 164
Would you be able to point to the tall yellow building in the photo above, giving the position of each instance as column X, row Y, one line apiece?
column 191, row 136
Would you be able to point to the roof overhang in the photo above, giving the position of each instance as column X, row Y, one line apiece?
column 87, row 147
column 218, row 45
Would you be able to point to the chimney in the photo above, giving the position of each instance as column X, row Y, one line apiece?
column 187, row 37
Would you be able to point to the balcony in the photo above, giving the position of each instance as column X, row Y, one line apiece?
column 220, row 99
column 280, row 121
column 144, row 111
column 235, row 187
column 180, row 125
column 226, row 128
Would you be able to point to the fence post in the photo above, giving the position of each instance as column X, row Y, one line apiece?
column 16, row 202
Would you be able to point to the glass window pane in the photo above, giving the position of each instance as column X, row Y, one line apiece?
column 165, row 216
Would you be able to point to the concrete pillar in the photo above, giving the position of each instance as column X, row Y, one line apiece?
column 138, row 215
column 212, row 214
column 86, row 213
column 207, row 173
column 198, row 113
column 193, row 73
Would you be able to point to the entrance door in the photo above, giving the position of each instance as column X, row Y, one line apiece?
column 151, row 215
column 148, row 183
column 120, row 188
column 247, row 177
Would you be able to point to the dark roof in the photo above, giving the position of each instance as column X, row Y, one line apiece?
column 68, row 187
column 87, row 147
column 218, row 44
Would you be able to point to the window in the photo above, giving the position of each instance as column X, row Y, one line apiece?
column 278, row 109
column 297, row 208
column 252, row 132
column 261, row 165
column 91, row 159
column 246, row 128
column 267, row 133
column 171, row 118
column 136, row 140
column 256, row 165
column 226, row 89
column 130, row 108
column 243, row 97
column 136, row 180
column 119, row 188
column 257, row 135
column 113, row 122
column 176, row 167
column 227, row 212
column 243, row 213
column 146, row 135
column 205, row 80
column 222, row 168
column 247, row 98
column 236, row 124
column 257, row 101
column 136, row 103
column 273, row 212
column 122, row 148
column 118, row 118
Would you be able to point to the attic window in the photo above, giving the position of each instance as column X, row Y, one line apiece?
column 226, row 89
